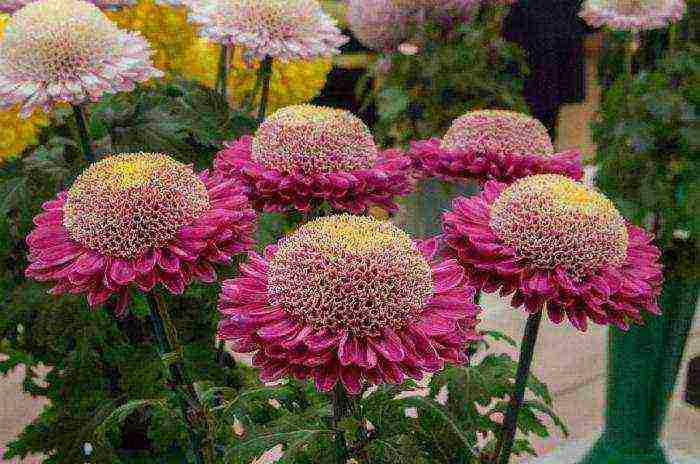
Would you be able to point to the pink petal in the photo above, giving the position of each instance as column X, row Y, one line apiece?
column 122, row 271
column 351, row 377
column 447, row 275
column 389, row 345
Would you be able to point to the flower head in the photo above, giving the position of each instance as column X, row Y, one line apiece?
column 349, row 298
column 16, row 134
column 138, row 218
column 282, row 29
column 10, row 6
column 67, row 51
column 312, row 140
column 553, row 243
column 494, row 144
column 498, row 131
column 632, row 15
column 303, row 155
column 383, row 25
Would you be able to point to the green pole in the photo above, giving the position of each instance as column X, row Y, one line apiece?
column 643, row 366
column 83, row 133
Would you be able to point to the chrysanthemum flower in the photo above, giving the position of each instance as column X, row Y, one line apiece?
column 353, row 299
column 16, row 133
column 281, row 29
column 10, row 6
column 554, row 244
column 138, row 219
column 632, row 15
column 304, row 155
column 383, row 25
column 494, row 145
column 166, row 29
column 291, row 83
column 67, row 51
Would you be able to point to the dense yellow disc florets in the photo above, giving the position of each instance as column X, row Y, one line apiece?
column 313, row 139
column 350, row 272
column 554, row 221
column 128, row 203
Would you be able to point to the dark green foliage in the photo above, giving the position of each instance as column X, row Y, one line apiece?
column 474, row 68
column 648, row 138
column 461, row 431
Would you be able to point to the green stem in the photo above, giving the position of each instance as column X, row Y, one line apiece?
column 82, row 131
column 222, row 75
column 265, row 76
column 166, row 338
column 527, row 350
column 340, row 404
column 672, row 39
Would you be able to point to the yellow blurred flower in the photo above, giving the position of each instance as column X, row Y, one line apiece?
column 166, row 28
column 16, row 133
column 291, row 83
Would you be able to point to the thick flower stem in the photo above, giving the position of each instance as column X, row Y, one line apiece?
column 171, row 352
column 222, row 75
column 340, row 407
column 265, row 76
column 527, row 350
column 82, row 131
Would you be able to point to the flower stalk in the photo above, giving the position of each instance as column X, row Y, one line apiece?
column 83, row 134
column 265, row 74
column 222, row 74
column 340, row 407
column 527, row 350
column 171, row 352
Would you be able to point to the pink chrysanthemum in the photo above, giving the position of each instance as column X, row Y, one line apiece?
column 554, row 244
column 304, row 155
column 353, row 299
column 494, row 145
column 67, row 51
column 282, row 29
column 632, row 15
column 383, row 25
column 138, row 219
column 10, row 6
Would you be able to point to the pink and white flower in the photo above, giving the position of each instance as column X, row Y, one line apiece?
column 304, row 155
column 493, row 145
column 349, row 299
column 632, row 15
column 555, row 245
column 136, row 220
column 68, row 51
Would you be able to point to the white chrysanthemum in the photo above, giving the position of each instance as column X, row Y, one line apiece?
column 282, row 29
column 632, row 15
column 10, row 6
column 68, row 51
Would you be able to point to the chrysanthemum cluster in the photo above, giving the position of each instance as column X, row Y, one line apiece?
column 67, row 51
column 291, row 83
column 165, row 28
column 282, row 29
column 314, row 140
column 552, row 243
column 304, row 155
column 138, row 219
column 10, row 6
column 494, row 144
column 383, row 25
column 632, row 15
column 352, row 299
